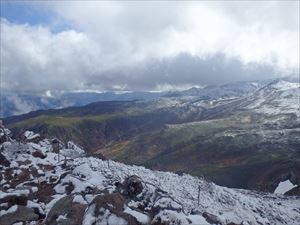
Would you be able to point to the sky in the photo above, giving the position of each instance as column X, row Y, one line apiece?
column 155, row 45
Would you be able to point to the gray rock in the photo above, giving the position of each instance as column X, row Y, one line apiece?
column 22, row 214
column 61, row 207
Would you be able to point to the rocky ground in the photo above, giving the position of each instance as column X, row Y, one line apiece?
column 39, row 186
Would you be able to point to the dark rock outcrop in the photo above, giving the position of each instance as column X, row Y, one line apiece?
column 131, row 187
column 14, row 200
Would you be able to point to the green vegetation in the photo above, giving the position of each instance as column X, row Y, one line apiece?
column 59, row 121
column 229, row 150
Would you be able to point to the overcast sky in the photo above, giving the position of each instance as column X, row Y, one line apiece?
column 67, row 45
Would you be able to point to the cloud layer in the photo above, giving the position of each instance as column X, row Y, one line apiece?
column 150, row 45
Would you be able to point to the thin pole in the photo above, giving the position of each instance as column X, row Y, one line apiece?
column 198, row 195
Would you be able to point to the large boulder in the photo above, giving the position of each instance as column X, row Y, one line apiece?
column 113, row 201
column 131, row 187
column 109, row 209
column 45, row 191
column 74, row 216
column 21, row 214
column 61, row 207
column 73, row 212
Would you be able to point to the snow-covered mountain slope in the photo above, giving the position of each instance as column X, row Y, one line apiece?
column 236, row 89
column 42, row 187
column 278, row 97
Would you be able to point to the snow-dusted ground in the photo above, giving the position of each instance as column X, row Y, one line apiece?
column 175, row 197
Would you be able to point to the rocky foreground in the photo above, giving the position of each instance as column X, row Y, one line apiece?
column 41, row 185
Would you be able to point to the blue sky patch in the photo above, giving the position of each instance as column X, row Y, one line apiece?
column 27, row 13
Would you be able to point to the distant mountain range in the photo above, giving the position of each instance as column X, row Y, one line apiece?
column 19, row 103
column 244, row 135
column 14, row 103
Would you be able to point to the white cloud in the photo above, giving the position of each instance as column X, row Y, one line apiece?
column 254, row 31
column 33, row 57
column 113, row 43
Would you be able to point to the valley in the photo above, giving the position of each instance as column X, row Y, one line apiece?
column 243, row 138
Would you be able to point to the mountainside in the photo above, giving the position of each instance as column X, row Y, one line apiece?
column 39, row 186
column 249, row 141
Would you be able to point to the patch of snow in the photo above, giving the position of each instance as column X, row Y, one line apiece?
column 30, row 135
column 113, row 219
column 18, row 223
column 12, row 209
column 79, row 199
column 4, row 194
column 89, row 217
column 197, row 219
column 284, row 186
column 61, row 217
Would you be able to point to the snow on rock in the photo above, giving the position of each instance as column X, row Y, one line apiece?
column 30, row 135
column 75, row 189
